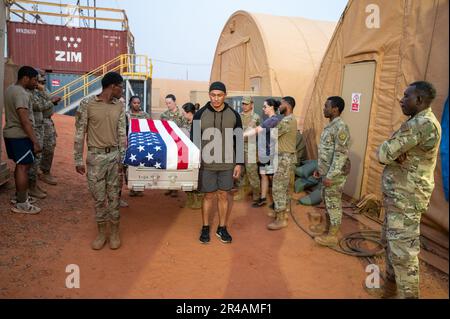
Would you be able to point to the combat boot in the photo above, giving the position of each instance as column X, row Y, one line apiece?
column 189, row 200
column 35, row 192
column 114, row 239
column 272, row 214
column 41, row 189
column 317, row 226
column 387, row 291
column 100, row 241
column 48, row 179
column 198, row 201
column 239, row 194
column 330, row 239
column 281, row 221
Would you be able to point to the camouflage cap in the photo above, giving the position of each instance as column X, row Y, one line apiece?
column 247, row 100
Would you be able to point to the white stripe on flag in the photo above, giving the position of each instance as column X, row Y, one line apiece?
column 143, row 125
column 171, row 146
column 194, row 153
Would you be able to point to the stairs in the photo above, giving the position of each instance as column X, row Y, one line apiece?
column 130, row 66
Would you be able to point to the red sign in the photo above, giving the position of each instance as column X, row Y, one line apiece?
column 356, row 102
column 56, row 83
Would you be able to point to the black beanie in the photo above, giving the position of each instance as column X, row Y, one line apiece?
column 218, row 86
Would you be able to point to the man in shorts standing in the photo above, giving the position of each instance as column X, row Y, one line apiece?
column 222, row 156
column 20, row 140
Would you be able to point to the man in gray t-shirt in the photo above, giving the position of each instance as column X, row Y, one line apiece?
column 20, row 140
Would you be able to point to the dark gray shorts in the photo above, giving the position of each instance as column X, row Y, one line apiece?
column 211, row 181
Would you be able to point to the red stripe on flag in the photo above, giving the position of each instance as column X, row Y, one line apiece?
column 152, row 126
column 183, row 150
column 135, row 126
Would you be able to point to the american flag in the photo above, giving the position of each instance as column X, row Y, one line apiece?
column 161, row 145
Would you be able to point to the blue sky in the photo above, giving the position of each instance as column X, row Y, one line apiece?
column 187, row 31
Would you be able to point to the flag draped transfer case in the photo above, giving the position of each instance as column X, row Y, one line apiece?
column 160, row 156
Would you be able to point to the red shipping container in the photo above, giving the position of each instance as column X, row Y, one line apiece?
column 63, row 49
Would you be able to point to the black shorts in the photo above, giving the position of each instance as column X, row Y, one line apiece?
column 20, row 150
column 212, row 181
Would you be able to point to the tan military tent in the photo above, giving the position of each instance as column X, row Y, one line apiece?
column 270, row 55
column 378, row 48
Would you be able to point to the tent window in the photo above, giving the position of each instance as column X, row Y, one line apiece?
column 255, row 84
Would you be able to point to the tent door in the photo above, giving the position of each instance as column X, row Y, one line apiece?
column 357, row 91
column 233, row 66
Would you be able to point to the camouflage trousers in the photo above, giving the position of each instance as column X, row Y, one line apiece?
column 332, row 197
column 252, row 176
column 401, row 234
column 281, row 179
column 105, row 184
column 33, row 172
column 48, row 149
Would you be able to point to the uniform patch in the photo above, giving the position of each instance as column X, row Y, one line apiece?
column 342, row 136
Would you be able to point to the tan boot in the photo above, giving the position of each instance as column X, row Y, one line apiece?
column 387, row 291
column 48, row 179
column 272, row 214
column 114, row 239
column 198, row 201
column 100, row 241
column 281, row 221
column 330, row 239
column 41, row 189
column 239, row 194
column 189, row 200
column 35, row 192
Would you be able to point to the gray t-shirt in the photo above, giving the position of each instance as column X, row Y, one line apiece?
column 16, row 97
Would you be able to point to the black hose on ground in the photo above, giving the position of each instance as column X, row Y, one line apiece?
column 350, row 244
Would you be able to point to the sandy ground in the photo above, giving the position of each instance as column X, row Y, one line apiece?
column 161, row 256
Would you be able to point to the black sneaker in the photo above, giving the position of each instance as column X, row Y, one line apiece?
column 204, row 236
column 223, row 234
column 259, row 203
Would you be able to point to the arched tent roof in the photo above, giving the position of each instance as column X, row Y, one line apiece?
column 274, row 55
column 410, row 44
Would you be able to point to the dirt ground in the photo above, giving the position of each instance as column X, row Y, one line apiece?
column 161, row 256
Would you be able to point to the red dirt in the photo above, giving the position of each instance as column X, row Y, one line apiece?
column 161, row 256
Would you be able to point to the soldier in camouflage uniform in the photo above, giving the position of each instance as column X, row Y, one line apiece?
column 48, row 150
column 173, row 114
column 38, row 103
column 134, row 112
column 409, row 157
column 195, row 198
column 102, row 120
column 286, row 131
column 250, row 120
column 334, row 166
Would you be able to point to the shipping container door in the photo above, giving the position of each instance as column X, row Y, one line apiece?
column 357, row 91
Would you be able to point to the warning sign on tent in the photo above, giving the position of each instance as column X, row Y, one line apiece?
column 356, row 102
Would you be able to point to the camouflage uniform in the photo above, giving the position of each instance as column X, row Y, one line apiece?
column 176, row 117
column 286, row 164
column 251, row 120
column 48, row 149
column 38, row 103
column 407, row 189
column 141, row 115
column 103, row 175
column 334, row 165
